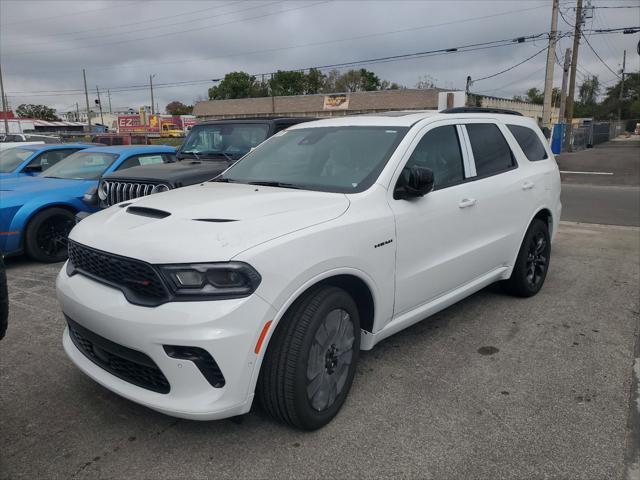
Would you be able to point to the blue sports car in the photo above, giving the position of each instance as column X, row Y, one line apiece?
column 33, row 159
column 37, row 213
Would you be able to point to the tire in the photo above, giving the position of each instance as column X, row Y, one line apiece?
column 46, row 235
column 532, row 263
column 4, row 300
column 305, row 378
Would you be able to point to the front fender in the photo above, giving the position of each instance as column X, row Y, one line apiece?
column 22, row 216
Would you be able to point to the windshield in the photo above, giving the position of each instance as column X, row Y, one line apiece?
column 331, row 159
column 11, row 158
column 232, row 140
column 82, row 166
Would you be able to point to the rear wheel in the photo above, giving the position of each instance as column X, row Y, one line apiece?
column 46, row 235
column 532, row 264
column 311, row 361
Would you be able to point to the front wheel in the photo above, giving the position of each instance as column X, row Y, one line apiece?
column 532, row 264
column 311, row 361
column 46, row 235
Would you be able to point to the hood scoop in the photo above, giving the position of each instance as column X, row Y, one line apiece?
column 148, row 212
column 215, row 220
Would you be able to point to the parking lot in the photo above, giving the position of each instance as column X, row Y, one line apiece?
column 493, row 387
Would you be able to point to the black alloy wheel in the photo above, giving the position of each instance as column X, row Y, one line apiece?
column 47, row 233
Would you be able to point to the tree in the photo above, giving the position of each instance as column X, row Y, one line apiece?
column 426, row 82
column 288, row 82
column 369, row 81
column 315, row 81
column 387, row 85
column 236, row 85
column 535, row 96
column 41, row 112
column 178, row 108
column 589, row 89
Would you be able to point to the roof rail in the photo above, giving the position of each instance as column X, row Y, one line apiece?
column 503, row 111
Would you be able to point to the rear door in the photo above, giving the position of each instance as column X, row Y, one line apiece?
column 497, row 194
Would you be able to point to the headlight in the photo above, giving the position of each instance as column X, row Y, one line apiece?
column 220, row 280
column 103, row 190
column 160, row 188
column 89, row 197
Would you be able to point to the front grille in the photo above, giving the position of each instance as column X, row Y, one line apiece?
column 130, row 365
column 121, row 191
column 139, row 281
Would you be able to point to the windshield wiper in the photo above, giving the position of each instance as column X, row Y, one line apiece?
column 192, row 152
column 276, row 184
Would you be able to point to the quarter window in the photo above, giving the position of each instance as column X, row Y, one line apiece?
column 529, row 142
column 438, row 150
column 491, row 151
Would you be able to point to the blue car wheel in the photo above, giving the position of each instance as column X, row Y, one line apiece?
column 46, row 235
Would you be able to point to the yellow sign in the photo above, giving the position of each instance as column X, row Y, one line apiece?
column 336, row 102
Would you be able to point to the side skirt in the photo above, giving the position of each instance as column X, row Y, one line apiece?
column 404, row 320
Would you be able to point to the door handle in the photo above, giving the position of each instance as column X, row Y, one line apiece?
column 467, row 202
column 528, row 185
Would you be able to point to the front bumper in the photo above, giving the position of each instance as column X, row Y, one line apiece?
column 227, row 329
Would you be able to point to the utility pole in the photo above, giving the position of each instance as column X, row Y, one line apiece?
column 548, row 79
column 151, row 85
column 100, row 105
column 624, row 59
column 4, row 105
column 109, row 95
column 86, row 97
column 565, row 78
column 77, row 112
column 467, row 95
column 572, row 78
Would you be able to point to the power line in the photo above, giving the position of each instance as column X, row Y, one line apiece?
column 600, row 58
column 369, row 61
column 327, row 42
column 102, row 45
column 123, row 25
column 66, row 15
column 155, row 27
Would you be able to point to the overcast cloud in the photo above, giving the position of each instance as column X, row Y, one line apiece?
column 45, row 44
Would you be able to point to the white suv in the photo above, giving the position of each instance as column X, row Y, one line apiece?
column 326, row 239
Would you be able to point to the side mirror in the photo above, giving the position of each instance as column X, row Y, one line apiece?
column 419, row 183
column 33, row 169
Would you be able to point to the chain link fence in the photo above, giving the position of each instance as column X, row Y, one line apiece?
column 588, row 135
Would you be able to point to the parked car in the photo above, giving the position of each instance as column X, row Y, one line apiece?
column 29, row 137
column 323, row 241
column 34, row 159
column 209, row 149
column 4, row 299
column 37, row 213
column 7, row 145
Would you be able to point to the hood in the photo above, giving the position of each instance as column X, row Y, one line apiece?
column 205, row 223
column 177, row 174
column 29, row 184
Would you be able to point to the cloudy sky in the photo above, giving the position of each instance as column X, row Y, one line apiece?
column 45, row 44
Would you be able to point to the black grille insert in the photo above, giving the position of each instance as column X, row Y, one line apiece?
column 139, row 281
column 129, row 365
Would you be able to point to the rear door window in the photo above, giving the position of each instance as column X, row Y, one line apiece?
column 490, row 149
column 529, row 142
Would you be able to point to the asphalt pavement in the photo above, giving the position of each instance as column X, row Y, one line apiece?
column 493, row 387
column 602, row 184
